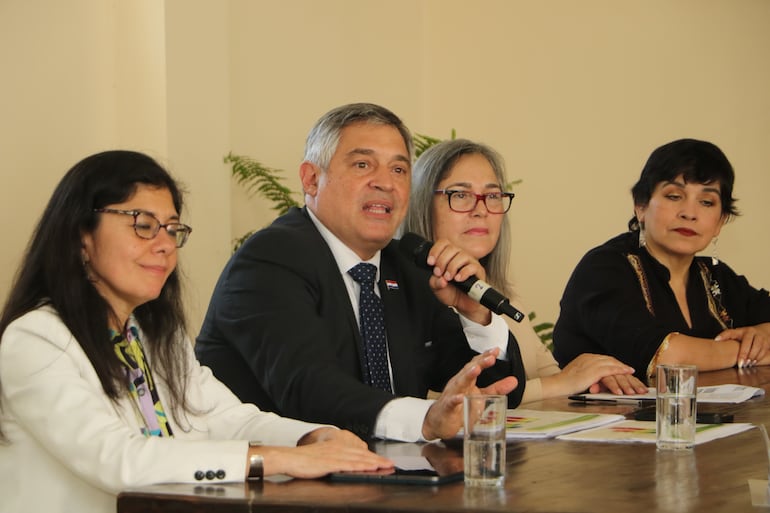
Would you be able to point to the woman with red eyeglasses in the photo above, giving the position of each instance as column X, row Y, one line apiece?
column 458, row 195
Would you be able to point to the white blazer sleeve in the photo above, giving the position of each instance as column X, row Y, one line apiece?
column 52, row 399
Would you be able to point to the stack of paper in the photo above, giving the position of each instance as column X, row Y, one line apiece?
column 712, row 394
column 630, row 431
column 523, row 423
column 728, row 393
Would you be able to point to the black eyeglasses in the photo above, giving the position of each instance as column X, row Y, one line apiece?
column 147, row 225
column 466, row 201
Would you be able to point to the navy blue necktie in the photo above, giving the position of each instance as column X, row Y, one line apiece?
column 372, row 323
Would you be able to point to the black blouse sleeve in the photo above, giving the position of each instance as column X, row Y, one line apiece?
column 746, row 305
column 603, row 311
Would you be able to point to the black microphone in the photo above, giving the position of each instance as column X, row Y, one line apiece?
column 418, row 248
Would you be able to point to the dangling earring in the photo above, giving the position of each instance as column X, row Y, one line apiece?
column 714, row 253
column 642, row 240
column 88, row 272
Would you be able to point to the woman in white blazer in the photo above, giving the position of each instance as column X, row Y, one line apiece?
column 99, row 387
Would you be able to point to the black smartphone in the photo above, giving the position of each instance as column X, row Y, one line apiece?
column 439, row 463
column 399, row 476
column 702, row 417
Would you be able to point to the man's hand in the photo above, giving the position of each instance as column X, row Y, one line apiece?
column 445, row 417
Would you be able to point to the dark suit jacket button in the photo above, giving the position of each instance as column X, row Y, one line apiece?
column 210, row 474
column 220, row 474
column 199, row 475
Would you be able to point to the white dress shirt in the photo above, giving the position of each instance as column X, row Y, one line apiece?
column 402, row 418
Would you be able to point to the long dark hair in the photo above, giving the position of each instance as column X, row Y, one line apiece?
column 52, row 271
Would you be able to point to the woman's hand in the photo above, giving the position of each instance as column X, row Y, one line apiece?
column 754, row 343
column 452, row 264
column 620, row 384
column 595, row 373
column 320, row 452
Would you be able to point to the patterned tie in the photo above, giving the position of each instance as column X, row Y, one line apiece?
column 372, row 321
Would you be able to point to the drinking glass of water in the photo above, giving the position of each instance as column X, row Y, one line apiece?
column 676, row 407
column 484, row 439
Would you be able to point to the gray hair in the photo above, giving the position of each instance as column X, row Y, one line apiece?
column 432, row 167
column 323, row 138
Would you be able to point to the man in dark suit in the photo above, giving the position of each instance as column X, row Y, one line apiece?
column 282, row 329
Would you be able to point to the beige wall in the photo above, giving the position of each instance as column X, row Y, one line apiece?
column 575, row 95
column 199, row 105
column 57, row 103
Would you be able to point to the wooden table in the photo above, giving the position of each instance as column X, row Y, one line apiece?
column 541, row 476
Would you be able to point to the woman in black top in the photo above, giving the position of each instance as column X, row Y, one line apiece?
column 645, row 298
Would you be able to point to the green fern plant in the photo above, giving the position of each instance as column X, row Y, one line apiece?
column 422, row 142
column 544, row 330
column 263, row 181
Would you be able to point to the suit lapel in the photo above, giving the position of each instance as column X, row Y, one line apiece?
column 332, row 284
column 396, row 324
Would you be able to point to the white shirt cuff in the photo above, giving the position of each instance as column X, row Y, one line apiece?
column 402, row 419
column 481, row 338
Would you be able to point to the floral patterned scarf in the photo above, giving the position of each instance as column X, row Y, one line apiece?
column 141, row 386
